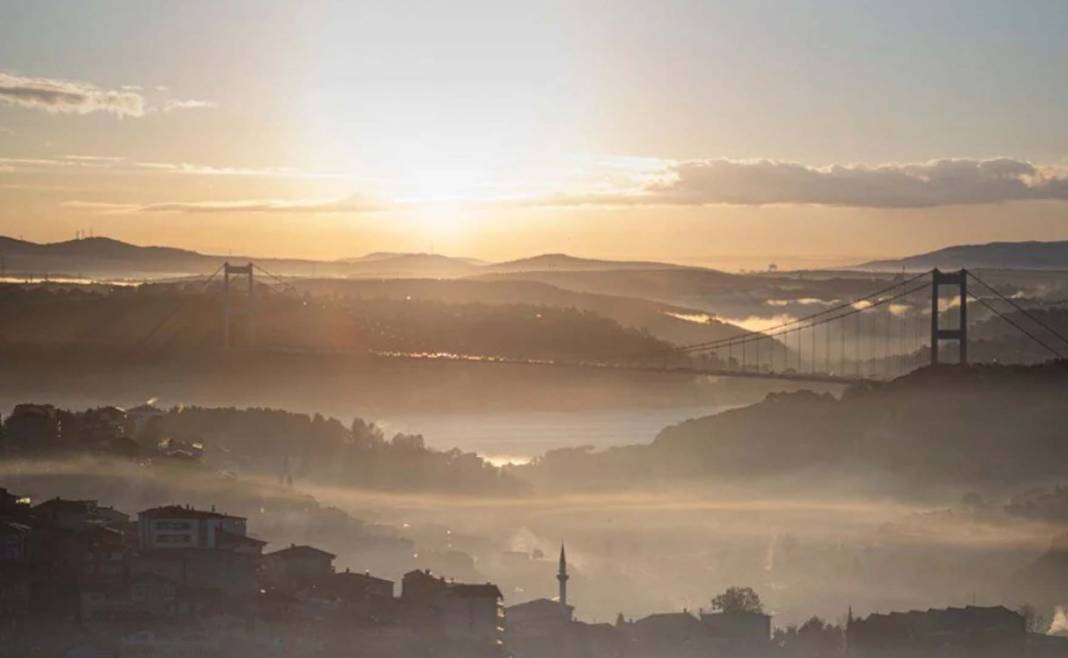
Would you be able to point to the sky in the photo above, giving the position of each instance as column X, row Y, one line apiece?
column 730, row 134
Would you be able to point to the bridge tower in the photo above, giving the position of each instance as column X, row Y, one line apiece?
column 249, row 309
column 960, row 280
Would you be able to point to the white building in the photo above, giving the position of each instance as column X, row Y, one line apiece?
column 175, row 526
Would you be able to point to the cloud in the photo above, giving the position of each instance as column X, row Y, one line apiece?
column 348, row 205
column 75, row 97
column 121, row 165
column 68, row 96
column 910, row 185
column 190, row 104
column 351, row 204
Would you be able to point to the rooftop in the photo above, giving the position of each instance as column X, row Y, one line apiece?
column 179, row 512
column 295, row 551
column 474, row 591
column 61, row 505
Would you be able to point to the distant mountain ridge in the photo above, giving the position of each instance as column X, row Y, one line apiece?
column 92, row 248
column 1031, row 255
column 564, row 262
column 101, row 256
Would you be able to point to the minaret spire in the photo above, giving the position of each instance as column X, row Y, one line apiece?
column 562, row 578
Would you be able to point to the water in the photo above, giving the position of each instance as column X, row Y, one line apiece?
column 518, row 437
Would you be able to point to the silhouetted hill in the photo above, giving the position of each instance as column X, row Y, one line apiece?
column 994, row 426
column 390, row 265
column 109, row 258
column 96, row 248
column 188, row 317
column 106, row 257
column 994, row 255
column 676, row 324
column 377, row 256
column 564, row 262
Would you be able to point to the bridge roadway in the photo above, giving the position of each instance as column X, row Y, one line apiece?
column 789, row 375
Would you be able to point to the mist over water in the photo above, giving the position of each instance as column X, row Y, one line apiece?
column 519, row 436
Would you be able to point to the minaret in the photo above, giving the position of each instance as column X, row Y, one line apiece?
column 562, row 578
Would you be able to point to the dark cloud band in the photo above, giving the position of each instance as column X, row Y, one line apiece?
column 916, row 185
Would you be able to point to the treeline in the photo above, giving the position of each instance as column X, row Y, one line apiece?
column 301, row 448
column 284, row 447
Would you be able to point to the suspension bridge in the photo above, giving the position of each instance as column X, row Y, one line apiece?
column 906, row 324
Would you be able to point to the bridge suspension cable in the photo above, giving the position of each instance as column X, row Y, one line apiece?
column 804, row 322
column 1017, row 326
column 1018, row 308
column 176, row 310
column 807, row 322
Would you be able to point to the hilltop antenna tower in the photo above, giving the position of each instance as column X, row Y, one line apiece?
column 960, row 280
column 249, row 309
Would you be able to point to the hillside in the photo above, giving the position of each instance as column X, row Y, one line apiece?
column 566, row 263
column 676, row 324
column 993, row 255
column 982, row 428
column 396, row 265
column 113, row 259
column 180, row 317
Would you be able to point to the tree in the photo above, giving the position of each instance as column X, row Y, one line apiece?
column 1033, row 621
column 738, row 599
column 814, row 639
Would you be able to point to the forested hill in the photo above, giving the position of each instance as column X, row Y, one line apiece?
column 189, row 317
column 278, row 445
column 955, row 427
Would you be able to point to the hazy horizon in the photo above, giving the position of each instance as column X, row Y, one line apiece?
column 717, row 134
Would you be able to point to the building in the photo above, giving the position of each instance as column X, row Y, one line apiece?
column 72, row 515
column 420, row 587
column 141, row 415
column 473, row 613
column 739, row 626
column 292, row 567
column 13, row 539
column 175, row 527
column 359, row 598
column 100, row 553
column 223, row 572
column 970, row 632
column 672, row 635
column 471, row 617
column 12, row 504
column 539, row 614
column 538, row 629
column 154, row 595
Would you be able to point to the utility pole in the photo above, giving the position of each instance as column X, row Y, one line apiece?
column 960, row 280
